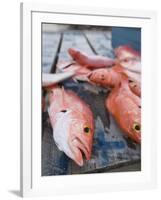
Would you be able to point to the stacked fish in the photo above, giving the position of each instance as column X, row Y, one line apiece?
column 68, row 112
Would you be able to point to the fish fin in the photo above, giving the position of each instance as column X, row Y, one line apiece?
column 50, row 80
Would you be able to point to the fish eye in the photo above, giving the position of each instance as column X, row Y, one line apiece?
column 130, row 81
column 136, row 127
column 86, row 129
column 125, row 60
column 102, row 77
column 63, row 111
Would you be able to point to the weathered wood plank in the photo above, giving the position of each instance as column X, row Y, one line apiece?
column 126, row 36
column 54, row 162
column 108, row 34
column 74, row 39
column 100, row 43
column 50, row 44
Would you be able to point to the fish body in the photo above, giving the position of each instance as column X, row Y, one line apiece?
column 124, row 105
column 126, row 109
column 90, row 61
column 72, row 122
column 84, row 64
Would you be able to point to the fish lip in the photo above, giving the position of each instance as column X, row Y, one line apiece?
column 138, row 138
column 82, row 147
column 91, row 79
column 77, row 154
column 80, row 163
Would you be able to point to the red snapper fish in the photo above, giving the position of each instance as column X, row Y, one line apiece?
column 72, row 122
column 90, row 61
column 122, row 74
column 123, row 104
column 84, row 64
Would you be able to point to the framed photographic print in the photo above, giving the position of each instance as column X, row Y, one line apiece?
column 87, row 88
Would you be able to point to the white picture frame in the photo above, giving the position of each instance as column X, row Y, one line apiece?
column 32, row 184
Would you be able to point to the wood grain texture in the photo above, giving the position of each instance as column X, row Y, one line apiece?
column 50, row 44
column 100, row 42
column 74, row 39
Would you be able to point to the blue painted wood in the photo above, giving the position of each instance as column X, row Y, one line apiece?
column 126, row 36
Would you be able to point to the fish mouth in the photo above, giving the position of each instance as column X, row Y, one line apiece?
column 91, row 78
column 81, row 150
column 89, row 75
column 138, row 139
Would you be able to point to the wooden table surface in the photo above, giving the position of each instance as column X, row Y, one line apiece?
column 111, row 149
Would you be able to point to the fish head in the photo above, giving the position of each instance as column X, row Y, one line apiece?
column 98, row 76
column 80, row 140
column 133, row 116
column 132, row 124
column 104, row 77
column 74, row 135
column 135, row 131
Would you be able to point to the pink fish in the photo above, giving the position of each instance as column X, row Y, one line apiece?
column 80, row 72
column 90, row 61
column 122, row 102
column 125, row 51
column 128, row 58
column 84, row 64
column 73, row 124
